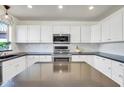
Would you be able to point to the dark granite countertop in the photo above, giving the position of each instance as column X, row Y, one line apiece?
column 105, row 55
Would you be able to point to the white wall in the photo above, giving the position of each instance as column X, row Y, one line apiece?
column 112, row 48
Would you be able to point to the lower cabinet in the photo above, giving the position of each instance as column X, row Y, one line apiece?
column 77, row 58
column 103, row 65
column 12, row 67
column 83, row 58
column 45, row 58
column 118, row 72
column 111, row 68
column 31, row 59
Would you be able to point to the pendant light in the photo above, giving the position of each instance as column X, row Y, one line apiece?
column 8, row 19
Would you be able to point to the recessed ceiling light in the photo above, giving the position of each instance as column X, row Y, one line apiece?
column 29, row 6
column 60, row 6
column 91, row 7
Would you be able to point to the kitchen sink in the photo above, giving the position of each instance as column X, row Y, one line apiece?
column 7, row 56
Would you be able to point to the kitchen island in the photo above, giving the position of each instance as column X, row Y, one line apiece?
column 64, row 74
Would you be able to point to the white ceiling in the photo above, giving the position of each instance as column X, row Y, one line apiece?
column 69, row 12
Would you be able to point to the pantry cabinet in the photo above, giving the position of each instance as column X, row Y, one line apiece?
column 96, row 33
column 85, row 34
column 46, row 34
column 75, row 34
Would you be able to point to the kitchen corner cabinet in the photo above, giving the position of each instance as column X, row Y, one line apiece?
column 46, row 34
column 22, row 33
column 75, row 34
column 96, row 33
column 85, row 34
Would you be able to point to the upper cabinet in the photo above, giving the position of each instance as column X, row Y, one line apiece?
column 85, row 34
column 96, row 33
column 34, row 33
column 21, row 33
column 61, row 29
column 106, row 31
column 112, row 28
column 28, row 33
column 46, row 34
column 116, row 27
column 75, row 33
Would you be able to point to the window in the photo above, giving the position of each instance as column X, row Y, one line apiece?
column 4, row 36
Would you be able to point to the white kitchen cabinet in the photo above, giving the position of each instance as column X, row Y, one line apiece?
column 34, row 33
column 12, row 67
column 61, row 29
column 118, row 72
column 75, row 34
column 85, row 34
column 103, row 65
column 76, row 58
column 46, row 34
column 20, row 64
column 21, row 33
column 89, row 59
column 31, row 59
column 45, row 58
column 116, row 32
column 96, row 33
column 106, row 31
column 112, row 28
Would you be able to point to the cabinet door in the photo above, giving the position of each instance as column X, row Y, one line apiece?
column 96, row 33
column 75, row 34
column 34, row 33
column 85, row 34
column 46, row 34
column 21, row 33
column 61, row 29
column 116, row 27
column 118, row 72
column 106, row 31
column 76, row 58
column 45, row 58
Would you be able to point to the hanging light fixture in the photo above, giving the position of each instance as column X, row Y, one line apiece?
column 6, row 17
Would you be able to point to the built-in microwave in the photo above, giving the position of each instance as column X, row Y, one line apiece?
column 61, row 38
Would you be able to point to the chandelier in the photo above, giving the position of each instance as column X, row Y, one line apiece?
column 4, row 16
